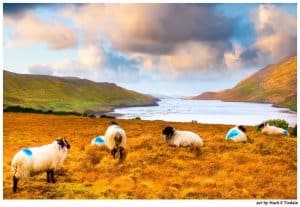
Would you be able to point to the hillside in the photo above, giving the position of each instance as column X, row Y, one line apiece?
column 276, row 84
column 263, row 169
column 67, row 94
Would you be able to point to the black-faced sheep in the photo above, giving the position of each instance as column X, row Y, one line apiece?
column 237, row 134
column 272, row 130
column 46, row 158
column 115, row 140
column 98, row 141
column 181, row 138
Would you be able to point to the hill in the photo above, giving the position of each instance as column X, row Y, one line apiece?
column 67, row 94
column 276, row 84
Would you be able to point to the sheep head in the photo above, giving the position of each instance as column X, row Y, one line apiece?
column 62, row 142
column 168, row 132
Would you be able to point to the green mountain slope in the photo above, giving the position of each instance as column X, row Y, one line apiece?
column 67, row 94
column 276, row 84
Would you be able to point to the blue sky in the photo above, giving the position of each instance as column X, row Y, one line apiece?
column 172, row 49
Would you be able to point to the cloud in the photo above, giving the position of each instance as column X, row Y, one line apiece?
column 29, row 29
column 91, row 56
column 155, row 36
column 276, row 36
column 91, row 63
column 163, row 41
column 151, row 28
column 18, row 9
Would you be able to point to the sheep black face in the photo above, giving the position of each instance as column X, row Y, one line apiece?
column 63, row 143
column 118, row 139
column 262, row 125
column 113, row 123
column 242, row 128
column 118, row 147
column 168, row 132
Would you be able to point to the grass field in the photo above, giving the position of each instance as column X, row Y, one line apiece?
column 263, row 169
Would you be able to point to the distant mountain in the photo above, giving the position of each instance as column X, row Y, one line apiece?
column 276, row 84
column 68, row 94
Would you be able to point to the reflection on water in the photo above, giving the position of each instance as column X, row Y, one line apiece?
column 209, row 111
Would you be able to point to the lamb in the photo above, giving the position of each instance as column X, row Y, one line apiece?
column 237, row 134
column 271, row 130
column 181, row 138
column 115, row 140
column 31, row 161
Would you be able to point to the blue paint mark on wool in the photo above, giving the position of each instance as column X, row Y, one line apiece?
column 232, row 133
column 99, row 140
column 27, row 152
column 285, row 132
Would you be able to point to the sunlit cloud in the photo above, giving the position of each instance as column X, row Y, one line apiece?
column 30, row 30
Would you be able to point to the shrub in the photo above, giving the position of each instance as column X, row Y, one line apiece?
column 37, row 111
column 276, row 122
column 107, row 116
column 137, row 118
column 92, row 116
column 294, row 131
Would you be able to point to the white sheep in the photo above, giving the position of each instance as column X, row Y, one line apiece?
column 271, row 130
column 115, row 139
column 237, row 134
column 31, row 161
column 181, row 138
column 98, row 141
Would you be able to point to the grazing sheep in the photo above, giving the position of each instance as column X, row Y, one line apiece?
column 30, row 161
column 237, row 134
column 181, row 138
column 271, row 130
column 98, row 141
column 115, row 140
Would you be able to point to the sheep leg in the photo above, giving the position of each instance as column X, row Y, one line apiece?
column 15, row 183
column 52, row 175
column 122, row 153
column 48, row 176
column 113, row 152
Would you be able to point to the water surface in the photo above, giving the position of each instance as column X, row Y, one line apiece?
column 209, row 111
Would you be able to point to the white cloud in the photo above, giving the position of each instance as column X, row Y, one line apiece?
column 276, row 32
column 91, row 56
column 29, row 29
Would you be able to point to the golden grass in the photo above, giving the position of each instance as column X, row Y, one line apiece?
column 264, row 169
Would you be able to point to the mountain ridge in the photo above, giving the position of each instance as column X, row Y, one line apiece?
column 275, row 84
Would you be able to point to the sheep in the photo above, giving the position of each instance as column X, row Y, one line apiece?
column 237, row 134
column 98, row 141
column 115, row 140
column 271, row 130
column 181, row 138
column 31, row 161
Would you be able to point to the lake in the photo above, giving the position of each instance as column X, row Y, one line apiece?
column 209, row 111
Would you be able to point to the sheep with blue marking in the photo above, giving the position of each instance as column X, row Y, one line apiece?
column 272, row 130
column 98, row 141
column 115, row 140
column 30, row 161
column 181, row 138
column 237, row 134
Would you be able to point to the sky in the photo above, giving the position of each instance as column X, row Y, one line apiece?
column 160, row 49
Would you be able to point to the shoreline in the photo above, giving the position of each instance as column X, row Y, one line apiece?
column 243, row 101
column 21, row 109
column 116, row 117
